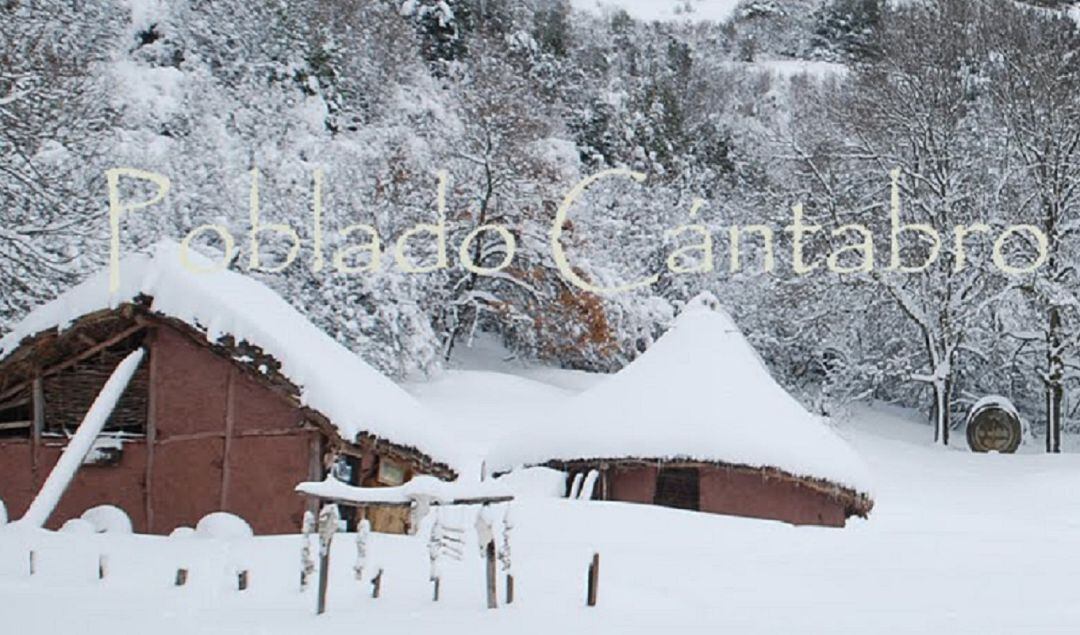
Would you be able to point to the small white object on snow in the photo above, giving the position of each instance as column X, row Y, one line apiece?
column 103, row 449
column 3, row 514
column 64, row 470
column 182, row 533
column 108, row 519
column 223, row 525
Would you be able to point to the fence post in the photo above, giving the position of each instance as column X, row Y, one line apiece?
column 324, row 579
column 328, row 526
column 376, row 584
column 594, row 579
column 492, row 596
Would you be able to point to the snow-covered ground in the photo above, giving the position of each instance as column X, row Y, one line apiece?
column 957, row 543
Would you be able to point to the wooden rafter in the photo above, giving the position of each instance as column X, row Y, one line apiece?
column 71, row 361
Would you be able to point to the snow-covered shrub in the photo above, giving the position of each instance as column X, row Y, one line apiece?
column 108, row 519
column 182, row 532
column 78, row 526
column 223, row 525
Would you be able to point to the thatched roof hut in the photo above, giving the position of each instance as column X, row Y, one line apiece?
column 698, row 422
column 239, row 399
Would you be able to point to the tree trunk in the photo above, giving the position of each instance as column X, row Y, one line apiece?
column 941, row 411
column 1055, row 392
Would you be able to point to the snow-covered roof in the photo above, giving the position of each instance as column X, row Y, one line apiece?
column 701, row 392
column 332, row 380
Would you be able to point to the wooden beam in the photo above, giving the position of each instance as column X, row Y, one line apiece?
column 315, row 468
column 151, row 430
column 230, row 422
column 479, row 500
column 194, row 436
column 38, row 391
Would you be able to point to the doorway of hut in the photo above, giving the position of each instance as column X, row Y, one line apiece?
column 678, row 487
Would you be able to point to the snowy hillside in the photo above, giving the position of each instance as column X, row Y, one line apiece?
column 665, row 10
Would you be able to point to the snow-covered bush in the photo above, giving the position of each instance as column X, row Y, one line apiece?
column 182, row 532
column 108, row 519
column 78, row 526
column 223, row 525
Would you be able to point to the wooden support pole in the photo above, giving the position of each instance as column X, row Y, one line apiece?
column 230, row 419
column 376, row 584
column 181, row 577
column 492, row 596
column 242, row 580
column 151, row 427
column 33, row 562
column 324, row 579
column 509, row 589
column 594, row 580
column 39, row 421
column 102, row 567
column 435, row 594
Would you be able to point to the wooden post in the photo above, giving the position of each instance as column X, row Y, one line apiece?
column 181, row 577
column 151, row 427
column 324, row 578
column 594, row 580
column 492, row 597
column 376, row 584
column 39, row 421
column 33, row 562
column 328, row 526
column 509, row 589
column 435, row 595
column 101, row 562
column 230, row 418
column 242, row 580
column 315, row 467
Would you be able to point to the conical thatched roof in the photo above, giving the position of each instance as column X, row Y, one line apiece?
column 702, row 393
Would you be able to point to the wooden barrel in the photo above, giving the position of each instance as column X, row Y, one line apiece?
column 993, row 425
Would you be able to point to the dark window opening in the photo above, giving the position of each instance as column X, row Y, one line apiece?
column 347, row 470
column 678, row 487
column 16, row 418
